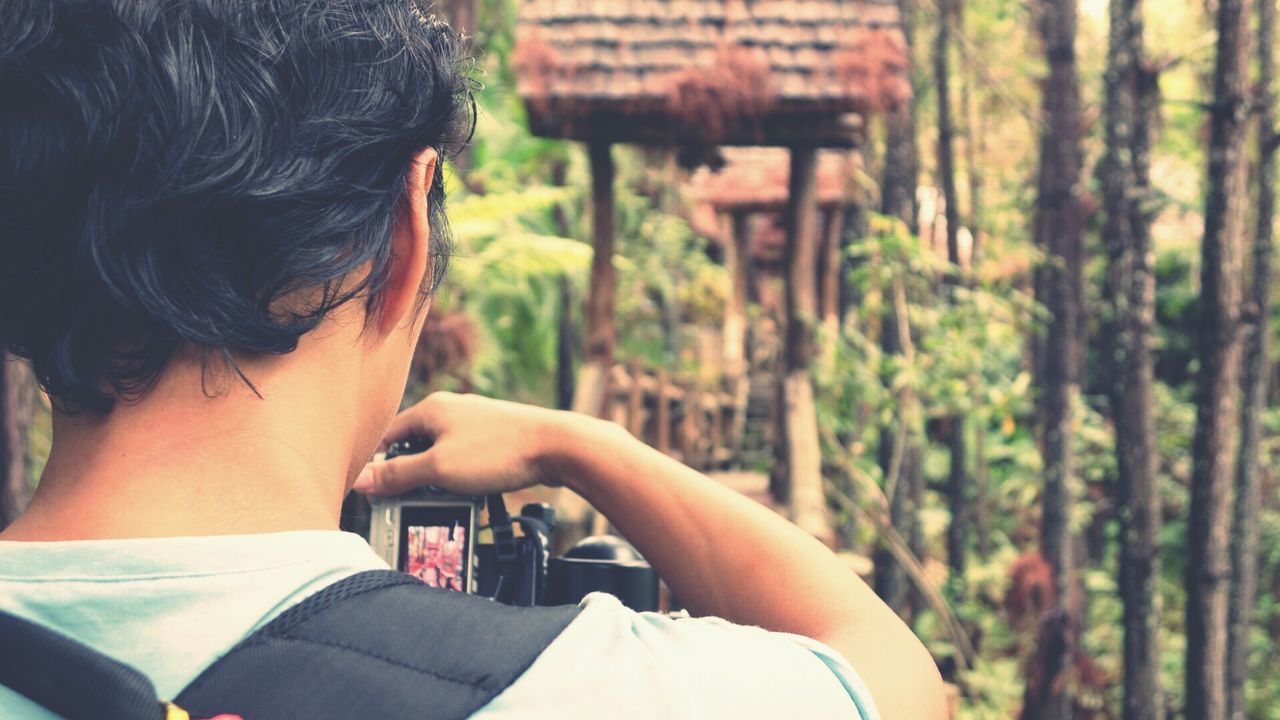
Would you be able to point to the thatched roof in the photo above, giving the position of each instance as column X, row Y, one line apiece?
column 753, row 72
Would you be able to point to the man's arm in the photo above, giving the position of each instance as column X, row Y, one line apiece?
column 721, row 553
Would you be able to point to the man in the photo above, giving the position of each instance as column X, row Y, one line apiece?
column 220, row 224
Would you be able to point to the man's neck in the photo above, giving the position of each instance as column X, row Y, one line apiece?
column 181, row 463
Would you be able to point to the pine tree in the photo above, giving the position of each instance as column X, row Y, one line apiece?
column 1244, row 535
column 1212, row 450
column 898, row 444
column 1131, row 294
column 1058, row 231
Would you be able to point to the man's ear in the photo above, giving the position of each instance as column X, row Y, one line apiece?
column 411, row 245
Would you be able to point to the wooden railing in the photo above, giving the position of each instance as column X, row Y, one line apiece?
column 699, row 427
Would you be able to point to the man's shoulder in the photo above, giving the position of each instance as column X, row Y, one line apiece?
column 642, row 665
column 171, row 606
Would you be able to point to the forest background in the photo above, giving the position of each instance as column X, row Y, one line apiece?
column 987, row 367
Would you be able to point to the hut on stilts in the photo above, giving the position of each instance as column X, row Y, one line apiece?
column 701, row 74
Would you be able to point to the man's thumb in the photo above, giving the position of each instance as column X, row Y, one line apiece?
column 394, row 476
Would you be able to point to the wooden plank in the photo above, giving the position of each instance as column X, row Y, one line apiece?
column 663, row 416
column 635, row 402
column 715, row 431
column 689, row 428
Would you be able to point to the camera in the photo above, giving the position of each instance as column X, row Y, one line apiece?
column 434, row 535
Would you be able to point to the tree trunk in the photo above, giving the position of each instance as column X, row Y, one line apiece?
column 981, row 508
column 975, row 156
column 890, row 580
column 589, row 395
column 898, row 199
column 1212, row 449
column 898, row 184
column 1244, row 536
column 17, row 402
column 946, row 151
column 957, row 479
column 1131, row 295
column 1058, row 229
column 975, row 148
column 901, row 154
column 803, row 485
column 898, row 451
column 957, row 503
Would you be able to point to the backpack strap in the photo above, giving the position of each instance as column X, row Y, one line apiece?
column 69, row 678
column 377, row 644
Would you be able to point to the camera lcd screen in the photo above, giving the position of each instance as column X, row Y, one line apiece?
column 435, row 544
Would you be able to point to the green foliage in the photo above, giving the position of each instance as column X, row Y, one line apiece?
column 995, row 687
column 506, row 276
column 668, row 287
column 512, row 287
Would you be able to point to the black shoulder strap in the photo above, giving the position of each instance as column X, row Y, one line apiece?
column 379, row 644
column 71, row 679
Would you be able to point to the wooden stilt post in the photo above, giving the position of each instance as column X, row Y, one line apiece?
column 635, row 402
column 662, row 415
column 737, row 257
column 589, row 395
column 591, row 392
column 803, row 480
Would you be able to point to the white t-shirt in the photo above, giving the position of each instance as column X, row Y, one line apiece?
column 172, row 606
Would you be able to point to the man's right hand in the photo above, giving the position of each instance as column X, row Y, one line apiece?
column 479, row 446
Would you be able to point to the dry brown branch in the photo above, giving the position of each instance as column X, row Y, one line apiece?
column 901, row 552
column 897, row 546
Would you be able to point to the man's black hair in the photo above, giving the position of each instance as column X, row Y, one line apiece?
column 177, row 173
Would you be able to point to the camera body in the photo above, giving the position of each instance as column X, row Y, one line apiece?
column 428, row 534
column 433, row 535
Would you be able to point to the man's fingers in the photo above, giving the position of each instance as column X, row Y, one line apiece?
column 397, row 475
column 416, row 422
column 404, row 426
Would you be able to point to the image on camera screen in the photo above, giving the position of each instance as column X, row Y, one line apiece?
column 435, row 545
